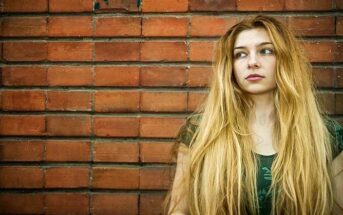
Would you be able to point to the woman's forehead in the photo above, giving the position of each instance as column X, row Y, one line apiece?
column 252, row 37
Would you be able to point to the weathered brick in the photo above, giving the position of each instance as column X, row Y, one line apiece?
column 323, row 77
column 117, row 76
column 67, row 177
column 163, row 51
column 111, row 6
column 156, row 152
column 67, row 203
column 199, row 76
column 24, row 27
column 266, row 5
column 339, row 77
column 324, row 51
column 117, row 101
column 116, row 204
column 339, row 25
column 24, row 51
column 117, row 51
column 69, row 100
column 339, row 103
column 116, row 152
column 15, row 150
column 68, row 125
column 151, row 204
column 163, row 76
column 22, row 203
column 165, row 27
column 160, row 126
column 25, row 6
column 165, row 6
column 68, row 26
column 24, row 76
column 195, row 99
column 118, row 26
column 219, row 25
column 69, row 76
column 163, row 101
column 312, row 26
column 21, row 177
column 155, row 178
column 67, row 150
column 206, row 5
column 310, row 5
column 31, row 125
column 339, row 52
column 115, row 177
column 70, row 5
column 116, row 127
column 201, row 51
column 20, row 100
column 70, row 51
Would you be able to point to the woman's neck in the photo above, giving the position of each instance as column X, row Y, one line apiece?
column 264, row 111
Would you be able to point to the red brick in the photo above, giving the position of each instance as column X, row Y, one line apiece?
column 70, row 76
column 115, row 204
column 31, row 125
column 165, row 6
column 117, row 76
column 155, row 178
column 116, row 152
column 21, row 177
column 117, row 51
column 195, row 99
column 111, row 6
column 13, row 150
column 267, row 5
column 117, row 101
column 164, row 101
column 163, row 51
column 151, row 204
column 67, row 203
column 339, row 77
column 324, row 51
column 66, row 177
column 219, row 25
column 14, row 203
column 339, row 52
column 66, row 26
column 24, row 27
column 165, row 27
column 156, row 152
column 326, row 101
column 19, row 100
column 116, row 127
column 339, row 4
column 199, row 76
column 323, row 77
column 339, row 103
column 163, row 76
column 308, row 5
column 70, row 5
column 24, row 76
column 69, row 100
column 118, row 26
column 67, row 150
column 25, row 6
column 69, row 125
column 201, row 51
column 70, row 51
column 206, row 5
column 312, row 26
column 115, row 177
column 160, row 126
column 339, row 25
column 24, row 51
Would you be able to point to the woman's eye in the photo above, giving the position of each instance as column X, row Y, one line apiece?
column 240, row 55
column 266, row 51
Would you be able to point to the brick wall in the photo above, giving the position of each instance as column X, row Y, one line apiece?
column 94, row 92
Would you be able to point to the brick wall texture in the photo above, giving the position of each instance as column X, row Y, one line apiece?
column 93, row 93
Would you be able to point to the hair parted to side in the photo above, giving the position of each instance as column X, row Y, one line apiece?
column 221, row 176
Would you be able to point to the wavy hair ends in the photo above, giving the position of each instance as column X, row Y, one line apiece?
column 221, row 175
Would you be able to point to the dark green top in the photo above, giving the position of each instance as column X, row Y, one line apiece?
column 264, row 177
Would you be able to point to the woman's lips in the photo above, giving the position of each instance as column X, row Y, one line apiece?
column 254, row 77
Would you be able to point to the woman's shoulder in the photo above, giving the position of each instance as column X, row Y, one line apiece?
column 336, row 132
column 188, row 129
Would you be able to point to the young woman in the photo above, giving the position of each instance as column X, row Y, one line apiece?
column 259, row 144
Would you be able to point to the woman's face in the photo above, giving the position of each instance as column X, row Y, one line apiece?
column 254, row 61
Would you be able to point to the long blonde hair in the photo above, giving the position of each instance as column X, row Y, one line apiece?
column 221, row 177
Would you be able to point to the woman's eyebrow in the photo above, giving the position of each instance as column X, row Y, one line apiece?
column 261, row 44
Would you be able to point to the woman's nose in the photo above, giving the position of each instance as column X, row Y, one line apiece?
column 253, row 62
